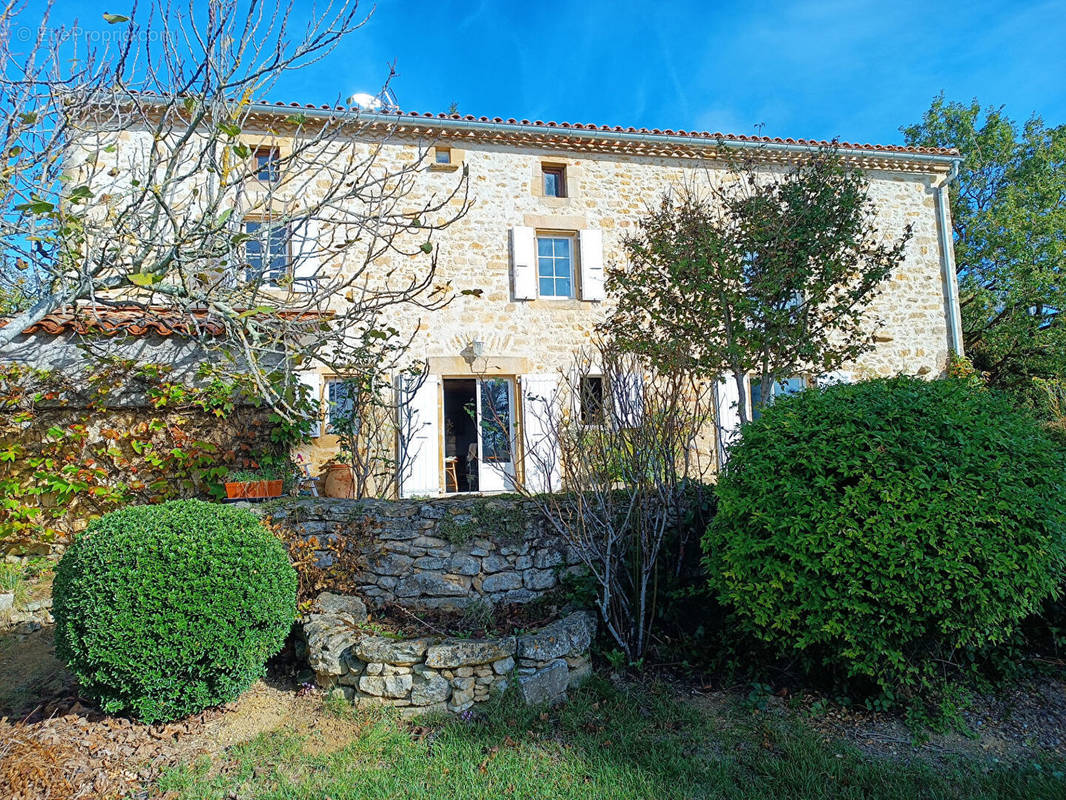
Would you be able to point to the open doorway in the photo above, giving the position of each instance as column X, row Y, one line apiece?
column 460, row 435
column 479, row 439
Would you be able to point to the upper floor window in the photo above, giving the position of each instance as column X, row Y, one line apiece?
column 554, row 180
column 267, row 164
column 442, row 155
column 267, row 251
column 781, row 388
column 555, row 266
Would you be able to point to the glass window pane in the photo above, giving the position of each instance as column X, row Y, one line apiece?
column 562, row 287
column 547, row 287
column 544, row 246
column 496, row 420
column 562, row 248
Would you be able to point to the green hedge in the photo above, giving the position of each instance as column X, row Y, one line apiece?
column 881, row 526
column 164, row 610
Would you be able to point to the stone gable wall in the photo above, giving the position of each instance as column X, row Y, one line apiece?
column 437, row 553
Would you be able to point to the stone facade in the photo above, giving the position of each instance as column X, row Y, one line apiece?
column 439, row 553
column 525, row 340
column 428, row 674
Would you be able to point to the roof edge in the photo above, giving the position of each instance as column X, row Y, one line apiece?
column 568, row 132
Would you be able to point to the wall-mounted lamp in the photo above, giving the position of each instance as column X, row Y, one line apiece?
column 472, row 352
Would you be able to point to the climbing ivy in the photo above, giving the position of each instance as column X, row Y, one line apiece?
column 71, row 451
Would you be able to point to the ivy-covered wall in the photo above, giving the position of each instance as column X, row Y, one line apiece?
column 77, row 444
column 444, row 552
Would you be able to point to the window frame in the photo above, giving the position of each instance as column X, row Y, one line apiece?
column 272, row 166
column 329, row 404
column 265, row 273
column 588, row 419
column 559, row 171
column 571, row 237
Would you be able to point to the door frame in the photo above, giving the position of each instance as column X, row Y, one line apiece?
column 517, row 449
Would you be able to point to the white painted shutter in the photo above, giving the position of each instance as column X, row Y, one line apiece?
column 313, row 381
column 591, row 243
column 305, row 264
column 419, row 448
column 524, row 262
column 540, row 420
column 627, row 400
column 728, row 410
column 832, row 378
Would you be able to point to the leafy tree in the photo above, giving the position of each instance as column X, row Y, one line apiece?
column 1009, row 219
column 761, row 271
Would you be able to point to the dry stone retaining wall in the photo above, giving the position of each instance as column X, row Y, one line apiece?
column 437, row 553
column 427, row 674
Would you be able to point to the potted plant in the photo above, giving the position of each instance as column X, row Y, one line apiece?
column 253, row 484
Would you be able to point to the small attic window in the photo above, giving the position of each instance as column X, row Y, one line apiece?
column 554, row 180
column 267, row 164
column 442, row 155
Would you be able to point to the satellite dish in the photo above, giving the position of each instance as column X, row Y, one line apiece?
column 384, row 102
column 367, row 102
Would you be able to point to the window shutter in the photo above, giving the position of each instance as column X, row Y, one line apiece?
column 313, row 381
column 832, row 378
column 591, row 244
column 304, row 264
column 418, row 456
column 540, row 412
column 728, row 410
column 524, row 262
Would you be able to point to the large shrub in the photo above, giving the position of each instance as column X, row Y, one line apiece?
column 164, row 610
column 883, row 526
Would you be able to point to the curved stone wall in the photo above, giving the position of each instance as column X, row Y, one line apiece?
column 437, row 553
column 426, row 674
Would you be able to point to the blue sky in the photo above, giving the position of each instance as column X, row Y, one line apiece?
column 853, row 70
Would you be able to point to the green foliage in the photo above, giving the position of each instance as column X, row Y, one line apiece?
column 890, row 528
column 162, row 611
column 1009, row 222
column 248, row 475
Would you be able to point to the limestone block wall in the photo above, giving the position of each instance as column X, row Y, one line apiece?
column 428, row 674
column 436, row 553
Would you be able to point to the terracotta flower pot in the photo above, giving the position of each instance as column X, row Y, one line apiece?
column 339, row 481
column 253, row 490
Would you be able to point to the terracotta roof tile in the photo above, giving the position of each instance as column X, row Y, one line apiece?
column 696, row 136
column 133, row 320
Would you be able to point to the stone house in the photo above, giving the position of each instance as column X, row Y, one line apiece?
column 551, row 206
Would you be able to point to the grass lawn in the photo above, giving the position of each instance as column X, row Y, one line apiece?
column 605, row 743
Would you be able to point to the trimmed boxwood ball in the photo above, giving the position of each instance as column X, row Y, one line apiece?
column 164, row 610
column 881, row 526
